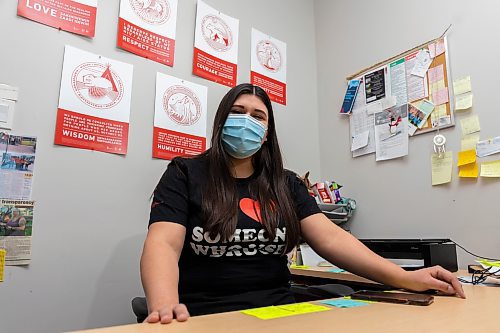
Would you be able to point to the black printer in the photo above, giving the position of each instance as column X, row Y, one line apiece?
column 432, row 251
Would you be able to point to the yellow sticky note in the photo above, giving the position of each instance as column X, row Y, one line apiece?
column 462, row 85
column 466, row 157
column 470, row 125
column 299, row 266
column 469, row 141
column 438, row 85
column 463, row 102
column 271, row 312
column 470, row 170
column 2, row 263
column 441, row 168
column 490, row 169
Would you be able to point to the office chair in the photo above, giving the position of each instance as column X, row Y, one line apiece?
column 140, row 308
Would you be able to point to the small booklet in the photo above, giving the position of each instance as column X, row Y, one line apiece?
column 350, row 96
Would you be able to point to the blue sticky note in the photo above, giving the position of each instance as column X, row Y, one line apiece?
column 336, row 270
column 344, row 303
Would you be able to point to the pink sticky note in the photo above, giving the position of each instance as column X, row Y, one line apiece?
column 439, row 47
column 435, row 74
column 440, row 96
column 432, row 50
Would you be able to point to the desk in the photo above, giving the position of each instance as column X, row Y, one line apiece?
column 319, row 275
column 478, row 313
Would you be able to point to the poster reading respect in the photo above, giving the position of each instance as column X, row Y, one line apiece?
column 147, row 28
column 180, row 124
column 268, row 65
column 77, row 16
column 94, row 102
column 215, row 45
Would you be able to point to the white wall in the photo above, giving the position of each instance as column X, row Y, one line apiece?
column 395, row 198
column 92, row 208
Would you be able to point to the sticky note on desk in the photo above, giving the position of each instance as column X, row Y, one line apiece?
column 344, row 303
column 299, row 266
column 272, row 312
column 336, row 270
column 2, row 263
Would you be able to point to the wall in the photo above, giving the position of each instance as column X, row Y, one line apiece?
column 395, row 198
column 92, row 208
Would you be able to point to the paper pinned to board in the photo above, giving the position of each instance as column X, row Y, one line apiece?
column 435, row 74
column 488, row 147
column 422, row 63
column 469, row 171
column 463, row 102
column 470, row 125
column 440, row 96
column 490, row 169
column 360, row 140
column 441, row 168
column 462, row 85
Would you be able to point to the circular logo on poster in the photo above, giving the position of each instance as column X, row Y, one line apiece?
column 182, row 105
column 151, row 11
column 97, row 85
column 216, row 33
column 269, row 55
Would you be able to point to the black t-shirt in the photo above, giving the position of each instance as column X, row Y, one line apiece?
column 214, row 276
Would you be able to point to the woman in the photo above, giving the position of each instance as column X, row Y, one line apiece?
column 17, row 224
column 221, row 224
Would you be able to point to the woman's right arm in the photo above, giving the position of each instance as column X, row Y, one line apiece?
column 160, row 272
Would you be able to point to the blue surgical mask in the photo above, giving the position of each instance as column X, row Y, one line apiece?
column 242, row 135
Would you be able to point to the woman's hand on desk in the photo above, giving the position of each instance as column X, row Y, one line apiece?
column 434, row 278
column 168, row 313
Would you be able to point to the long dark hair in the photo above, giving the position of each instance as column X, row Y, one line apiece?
column 270, row 188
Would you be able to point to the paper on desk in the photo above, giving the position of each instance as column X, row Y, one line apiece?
column 490, row 169
column 470, row 170
column 469, row 142
column 2, row 263
column 441, row 168
column 466, row 157
column 336, row 270
column 299, row 266
column 463, row 102
column 360, row 140
column 462, row 85
column 344, row 303
column 272, row 312
column 488, row 147
column 470, row 125
column 422, row 63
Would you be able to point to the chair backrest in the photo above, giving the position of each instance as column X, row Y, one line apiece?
column 140, row 308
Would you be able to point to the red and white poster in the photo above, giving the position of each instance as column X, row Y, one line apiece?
column 180, row 125
column 147, row 28
column 94, row 102
column 268, row 65
column 77, row 16
column 215, row 45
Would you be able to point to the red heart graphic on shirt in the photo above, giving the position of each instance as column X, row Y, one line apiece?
column 251, row 208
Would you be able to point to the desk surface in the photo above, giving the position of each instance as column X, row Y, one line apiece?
column 447, row 314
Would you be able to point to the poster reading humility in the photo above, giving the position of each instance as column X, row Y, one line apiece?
column 180, row 124
column 77, row 16
column 268, row 65
column 215, row 46
column 147, row 28
column 94, row 102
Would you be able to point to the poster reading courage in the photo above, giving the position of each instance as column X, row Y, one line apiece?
column 215, row 45
column 77, row 16
column 180, row 125
column 147, row 28
column 268, row 65
column 94, row 102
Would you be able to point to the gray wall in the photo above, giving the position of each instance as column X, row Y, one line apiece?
column 395, row 198
column 92, row 208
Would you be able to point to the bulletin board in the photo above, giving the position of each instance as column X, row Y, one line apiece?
column 436, row 83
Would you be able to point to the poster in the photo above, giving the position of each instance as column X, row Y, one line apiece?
column 17, row 155
column 16, row 224
column 375, row 83
column 215, row 45
column 147, row 28
column 77, row 16
column 94, row 102
column 180, row 122
column 268, row 65
column 391, row 133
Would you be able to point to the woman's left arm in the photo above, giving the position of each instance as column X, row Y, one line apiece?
column 341, row 248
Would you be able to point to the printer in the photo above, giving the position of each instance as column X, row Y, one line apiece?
column 432, row 251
